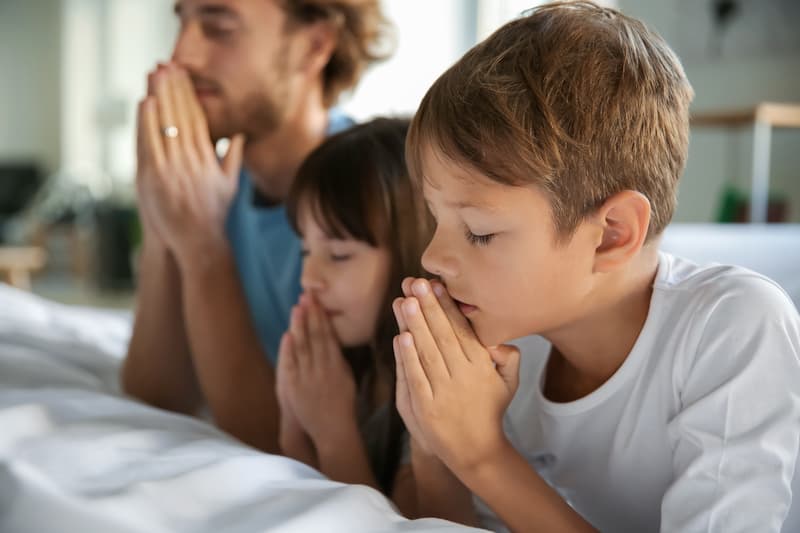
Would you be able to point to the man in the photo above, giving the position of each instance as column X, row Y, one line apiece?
column 220, row 265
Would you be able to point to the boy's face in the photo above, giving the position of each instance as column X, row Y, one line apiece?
column 349, row 278
column 495, row 249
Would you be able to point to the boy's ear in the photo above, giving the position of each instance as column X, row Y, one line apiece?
column 624, row 219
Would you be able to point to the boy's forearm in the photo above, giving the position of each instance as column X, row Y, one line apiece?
column 233, row 371
column 439, row 493
column 158, row 368
column 520, row 497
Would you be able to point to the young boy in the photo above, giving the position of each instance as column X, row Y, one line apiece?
column 667, row 397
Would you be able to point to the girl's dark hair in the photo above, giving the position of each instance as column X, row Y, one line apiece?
column 357, row 186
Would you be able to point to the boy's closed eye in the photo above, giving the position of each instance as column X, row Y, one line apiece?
column 479, row 239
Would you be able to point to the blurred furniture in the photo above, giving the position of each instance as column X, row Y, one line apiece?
column 17, row 263
column 19, row 183
column 772, row 250
column 762, row 118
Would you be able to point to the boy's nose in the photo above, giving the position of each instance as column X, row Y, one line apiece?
column 436, row 259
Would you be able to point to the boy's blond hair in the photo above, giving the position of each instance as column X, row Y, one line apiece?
column 574, row 98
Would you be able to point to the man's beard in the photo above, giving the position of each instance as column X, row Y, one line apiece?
column 258, row 114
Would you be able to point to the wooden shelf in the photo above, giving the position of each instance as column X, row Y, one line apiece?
column 777, row 115
column 17, row 263
column 762, row 117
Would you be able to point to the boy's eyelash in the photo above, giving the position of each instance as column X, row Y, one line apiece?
column 479, row 240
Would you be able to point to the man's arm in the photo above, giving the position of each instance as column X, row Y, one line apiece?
column 185, row 193
column 233, row 371
column 158, row 368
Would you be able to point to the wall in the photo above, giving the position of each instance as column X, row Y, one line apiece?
column 732, row 81
column 30, row 81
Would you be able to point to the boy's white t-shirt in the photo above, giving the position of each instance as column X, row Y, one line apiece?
column 699, row 428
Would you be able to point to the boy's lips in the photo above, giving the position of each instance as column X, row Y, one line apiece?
column 466, row 309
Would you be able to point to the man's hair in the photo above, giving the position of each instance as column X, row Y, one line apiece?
column 576, row 99
column 363, row 35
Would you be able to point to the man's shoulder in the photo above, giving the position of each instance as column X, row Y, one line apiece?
column 338, row 121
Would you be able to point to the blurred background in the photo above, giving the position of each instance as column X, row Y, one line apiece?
column 73, row 71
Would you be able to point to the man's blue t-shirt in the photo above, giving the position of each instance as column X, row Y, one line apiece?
column 267, row 254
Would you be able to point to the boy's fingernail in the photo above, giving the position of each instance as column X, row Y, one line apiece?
column 438, row 289
column 410, row 306
column 420, row 287
column 406, row 340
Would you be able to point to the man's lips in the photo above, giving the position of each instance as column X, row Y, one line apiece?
column 205, row 92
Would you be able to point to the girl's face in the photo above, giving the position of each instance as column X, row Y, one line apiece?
column 349, row 278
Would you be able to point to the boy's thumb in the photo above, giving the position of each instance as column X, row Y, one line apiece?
column 506, row 360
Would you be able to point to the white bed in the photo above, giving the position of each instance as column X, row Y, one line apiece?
column 77, row 456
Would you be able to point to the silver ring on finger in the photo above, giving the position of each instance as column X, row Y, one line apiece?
column 170, row 131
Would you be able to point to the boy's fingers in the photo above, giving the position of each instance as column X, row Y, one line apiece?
column 418, row 385
column 507, row 360
column 439, row 325
column 425, row 346
column 398, row 314
column 406, row 286
column 473, row 348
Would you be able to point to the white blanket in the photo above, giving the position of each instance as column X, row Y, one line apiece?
column 76, row 455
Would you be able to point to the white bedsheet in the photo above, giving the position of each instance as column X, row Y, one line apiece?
column 76, row 456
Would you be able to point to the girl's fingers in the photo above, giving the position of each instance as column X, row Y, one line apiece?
column 316, row 340
column 297, row 328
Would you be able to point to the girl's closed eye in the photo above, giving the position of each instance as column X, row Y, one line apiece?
column 334, row 256
column 341, row 257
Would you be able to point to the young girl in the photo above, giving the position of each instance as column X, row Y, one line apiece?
column 363, row 230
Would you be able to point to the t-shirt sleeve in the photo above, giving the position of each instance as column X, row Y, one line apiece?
column 735, row 437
